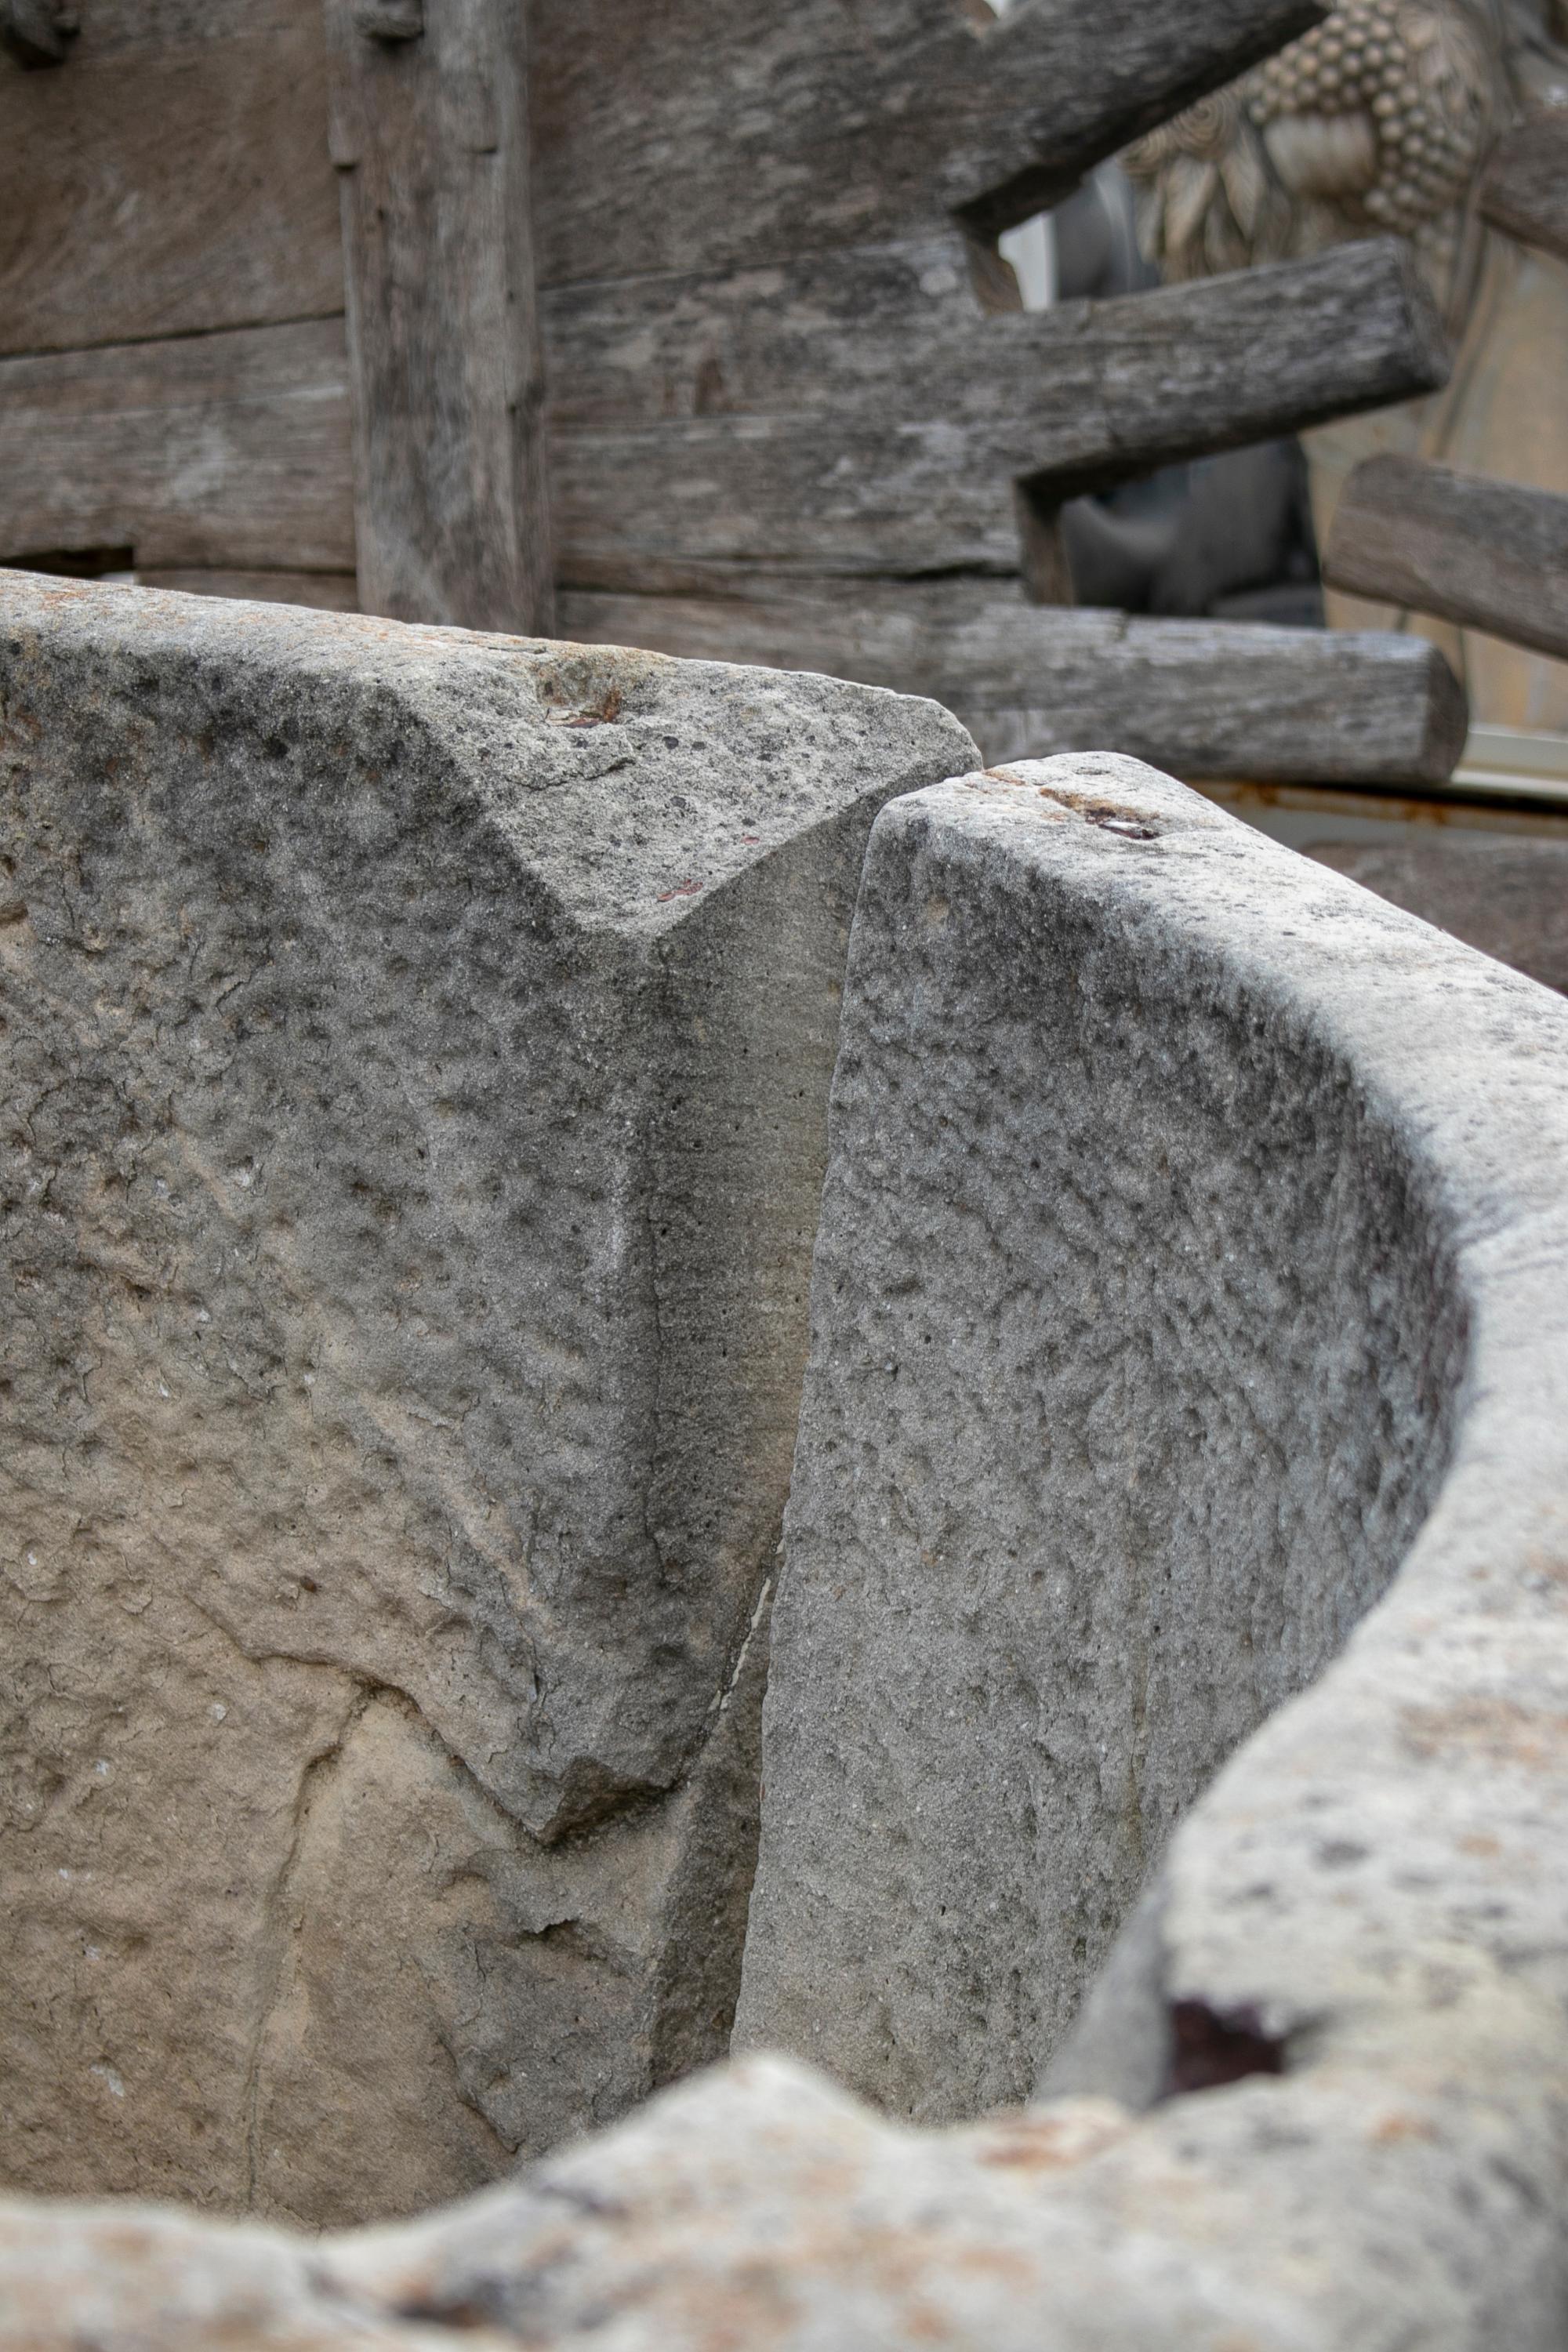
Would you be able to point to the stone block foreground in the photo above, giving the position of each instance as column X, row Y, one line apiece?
column 1177, row 1546
column 416, row 1064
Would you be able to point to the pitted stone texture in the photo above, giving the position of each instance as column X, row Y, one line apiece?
column 126, row 2278
column 762, row 2206
column 1129, row 1387
column 1367, row 1908
column 416, row 1062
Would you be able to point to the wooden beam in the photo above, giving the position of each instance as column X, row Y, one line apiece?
column 1203, row 699
column 1490, row 555
column 1055, row 88
column 168, row 186
column 326, row 592
column 851, row 412
column 684, row 135
column 1525, row 191
column 431, row 131
column 228, row 450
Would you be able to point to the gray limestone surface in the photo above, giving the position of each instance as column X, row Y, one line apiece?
column 1130, row 1385
column 1318, row 2099
column 414, row 1063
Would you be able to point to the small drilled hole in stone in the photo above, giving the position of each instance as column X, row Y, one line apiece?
column 1123, row 822
column 1210, row 2047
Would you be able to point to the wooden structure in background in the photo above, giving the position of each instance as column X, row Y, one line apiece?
column 1490, row 555
column 174, row 369
column 431, row 138
column 661, row 319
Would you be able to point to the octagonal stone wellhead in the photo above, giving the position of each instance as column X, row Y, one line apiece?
column 1166, row 1739
column 1191, row 1294
column 415, row 1063
column 1183, row 1431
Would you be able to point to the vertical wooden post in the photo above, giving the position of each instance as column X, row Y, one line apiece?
column 430, row 133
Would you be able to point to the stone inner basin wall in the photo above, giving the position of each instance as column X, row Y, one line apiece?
column 1132, row 1372
column 416, row 1060
column 1328, row 2059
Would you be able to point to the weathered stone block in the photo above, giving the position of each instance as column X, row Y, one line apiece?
column 1126, row 1394
column 416, row 1060
column 1320, row 2097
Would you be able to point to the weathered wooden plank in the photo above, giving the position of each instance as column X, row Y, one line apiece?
column 689, row 135
column 1525, row 191
column 851, row 413
column 329, row 592
column 432, row 136
column 1506, row 897
column 160, row 188
column 132, row 28
column 228, row 449
column 1490, row 555
column 1203, row 699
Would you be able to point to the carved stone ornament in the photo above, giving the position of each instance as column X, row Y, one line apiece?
column 1379, row 118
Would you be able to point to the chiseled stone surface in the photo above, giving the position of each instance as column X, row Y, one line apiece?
column 126, row 2278
column 416, row 1059
column 1130, row 1384
column 759, row 2205
column 1319, row 2097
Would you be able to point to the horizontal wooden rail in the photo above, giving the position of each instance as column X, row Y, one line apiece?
column 1210, row 699
column 853, row 416
column 1490, row 555
column 690, row 135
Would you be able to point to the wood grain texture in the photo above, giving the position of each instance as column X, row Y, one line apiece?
column 1202, row 698
column 226, row 450
column 451, row 492
column 689, row 135
column 162, row 187
column 1487, row 554
column 851, row 412
column 326, row 592
column 141, row 29
column 1525, row 192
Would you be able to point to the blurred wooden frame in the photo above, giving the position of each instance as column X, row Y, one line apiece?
column 675, row 321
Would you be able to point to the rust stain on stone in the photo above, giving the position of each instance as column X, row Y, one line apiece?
column 1503, row 1730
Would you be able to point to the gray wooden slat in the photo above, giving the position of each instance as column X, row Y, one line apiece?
column 132, row 28
column 158, row 187
column 1490, row 555
column 852, row 412
column 1204, row 699
column 451, row 493
column 1525, row 191
column 327, row 591
column 687, row 135
column 249, row 465
column 227, row 449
